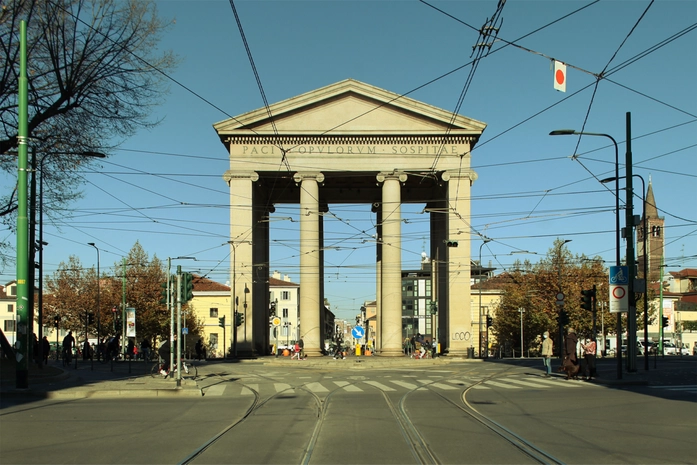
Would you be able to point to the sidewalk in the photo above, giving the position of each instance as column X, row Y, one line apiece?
column 120, row 379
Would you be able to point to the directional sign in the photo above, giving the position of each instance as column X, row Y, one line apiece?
column 619, row 284
column 358, row 332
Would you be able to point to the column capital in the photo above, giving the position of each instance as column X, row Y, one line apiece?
column 383, row 175
column 251, row 175
column 311, row 175
column 458, row 174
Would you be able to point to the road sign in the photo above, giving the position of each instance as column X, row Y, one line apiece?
column 619, row 283
column 276, row 321
column 185, row 330
column 358, row 332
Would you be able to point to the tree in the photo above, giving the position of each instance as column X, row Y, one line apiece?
column 94, row 75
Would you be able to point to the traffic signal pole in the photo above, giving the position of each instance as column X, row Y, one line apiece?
column 179, row 326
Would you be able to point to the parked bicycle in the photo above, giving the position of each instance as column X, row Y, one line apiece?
column 189, row 370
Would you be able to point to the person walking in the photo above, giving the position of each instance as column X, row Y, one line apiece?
column 68, row 344
column 570, row 359
column 199, row 350
column 301, row 343
column 547, row 346
column 46, row 346
column 589, row 349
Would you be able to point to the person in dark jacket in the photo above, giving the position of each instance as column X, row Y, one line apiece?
column 570, row 362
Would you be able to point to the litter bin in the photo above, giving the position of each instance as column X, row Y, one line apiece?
column 470, row 352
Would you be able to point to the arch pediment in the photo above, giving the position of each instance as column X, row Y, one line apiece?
column 349, row 108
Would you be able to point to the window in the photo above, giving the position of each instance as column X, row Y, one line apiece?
column 285, row 295
column 11, row 308
column 285, row 313
column 9, row 325
column 13, row 290
column 214, row 313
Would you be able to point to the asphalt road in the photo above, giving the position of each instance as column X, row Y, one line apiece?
column 458, row 413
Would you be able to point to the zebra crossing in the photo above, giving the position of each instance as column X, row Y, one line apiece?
column 688, row 388
column 248, row 386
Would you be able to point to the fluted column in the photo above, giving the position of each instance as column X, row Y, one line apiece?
column 310, row 299
column 391, row 263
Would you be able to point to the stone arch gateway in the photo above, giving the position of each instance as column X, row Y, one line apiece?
column 350, row 142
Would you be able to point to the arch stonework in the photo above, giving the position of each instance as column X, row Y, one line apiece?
column 351, row 142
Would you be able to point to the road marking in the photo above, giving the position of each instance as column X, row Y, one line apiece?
column 348, row 386
column 216, row 390
column 316, row 387
column 468, row 383
column 687, row 388
column 442, row 386
column 246, row 391
column 505, row 386
column 558, row 382
column 404, row 384
column 380, row 386
column 524, row 383
column 280, row 387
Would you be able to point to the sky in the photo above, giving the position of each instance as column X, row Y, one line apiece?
column 164, row 187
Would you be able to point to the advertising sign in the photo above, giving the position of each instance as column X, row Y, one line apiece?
column 130, row 322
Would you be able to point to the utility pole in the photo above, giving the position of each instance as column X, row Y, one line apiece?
column 631, row 267
column 123, row 307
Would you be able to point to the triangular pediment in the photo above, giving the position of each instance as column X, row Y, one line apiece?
column 349, row 107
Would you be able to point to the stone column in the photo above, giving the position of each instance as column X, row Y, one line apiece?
column 310, row 299
column 391, row 263
column 241, row 259
column 377, row 209
column 461, row 331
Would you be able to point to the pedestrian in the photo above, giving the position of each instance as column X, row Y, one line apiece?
column 296, row 351
column 434, row 347
column 589, row 349
column 35, row 348
column 199, row 350
column 130, row 348
column 570, row 359
column 547, row 346
column 145, row 349
column 68, row 344
column 86, row 350
column 46, row 346
column 301, row 343
column 164, row 352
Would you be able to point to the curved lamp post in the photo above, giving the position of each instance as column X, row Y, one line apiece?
column 99, row 325
column 486, row 240
column 572, row 132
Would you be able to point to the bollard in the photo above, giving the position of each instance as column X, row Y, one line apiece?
column 129, row 364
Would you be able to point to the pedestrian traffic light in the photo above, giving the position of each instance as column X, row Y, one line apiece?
column 434, row 307
column 563, row 318
column 56, row 321
column 221, row 321
column 451, row 243
column 90, row 318
column 665, row 322
column 239, row 319
column 587, row 299
column 489, row 321
column 187, row 287
column 272, row 310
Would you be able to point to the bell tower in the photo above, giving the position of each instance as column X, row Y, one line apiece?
column 654, row 239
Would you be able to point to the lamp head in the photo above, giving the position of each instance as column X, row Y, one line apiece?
column 91, row 243
column 563, row 132
column 607, row 180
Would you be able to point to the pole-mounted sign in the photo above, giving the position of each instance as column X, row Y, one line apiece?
column 619, row 283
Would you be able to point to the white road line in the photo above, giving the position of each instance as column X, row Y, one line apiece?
column 280, row 387
column 445, row 387
column 404, row 384
column 316, row 387
column 687, row 387
column 216, row 390
column 524, row 383
column 505, row 386
column 348, row 386
column 558, row 382
column 246, row 391
column 467, row 383
column 380, row 386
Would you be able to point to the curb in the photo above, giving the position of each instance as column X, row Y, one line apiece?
column 103, row 394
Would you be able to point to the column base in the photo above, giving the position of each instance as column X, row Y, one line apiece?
column 391, row 353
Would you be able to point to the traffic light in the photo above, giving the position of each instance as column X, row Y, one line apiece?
column 665, row 322
column 239, row 319
column 451, row 243
column 163, row 299
column 434, row 307
column 221, row 321
column 272, row 310
column 587, row 299
column 563, row 318
column 90, row 318
column 187, row 287
column 56, row 321
column 489, row 321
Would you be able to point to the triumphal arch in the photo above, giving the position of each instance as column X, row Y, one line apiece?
column 351, row 142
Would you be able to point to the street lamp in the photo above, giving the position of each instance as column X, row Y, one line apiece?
column 572, row 132
column 521, row 310
column 98, row 299
column 561, row 305
column 484, row 241
column 645, row 267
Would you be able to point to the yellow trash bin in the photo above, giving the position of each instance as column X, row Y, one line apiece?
column 358, row 350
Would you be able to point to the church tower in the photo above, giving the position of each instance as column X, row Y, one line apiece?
column 654, row 239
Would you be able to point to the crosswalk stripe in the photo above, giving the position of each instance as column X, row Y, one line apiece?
column 558, row 382
column 316, row 387
column 246, row 391
column 380, row 386
column 445, row 387
column 348, row 386
column 468, row 383
column 524, row 383
column 280, row 387
column 687, row 387
column 505, row 386
column 404, row 384
column 216, row 390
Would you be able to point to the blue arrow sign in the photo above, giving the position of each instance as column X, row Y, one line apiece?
column 358, row 332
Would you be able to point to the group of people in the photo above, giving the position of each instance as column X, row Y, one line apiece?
column 570, row 363
column 419, row 343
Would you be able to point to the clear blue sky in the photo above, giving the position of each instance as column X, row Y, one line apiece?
column 164, row 187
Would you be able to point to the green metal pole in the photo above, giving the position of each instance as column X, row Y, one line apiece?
column 23, row 322
column 123, row 308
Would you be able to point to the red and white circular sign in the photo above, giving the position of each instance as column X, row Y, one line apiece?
column 618, row 292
